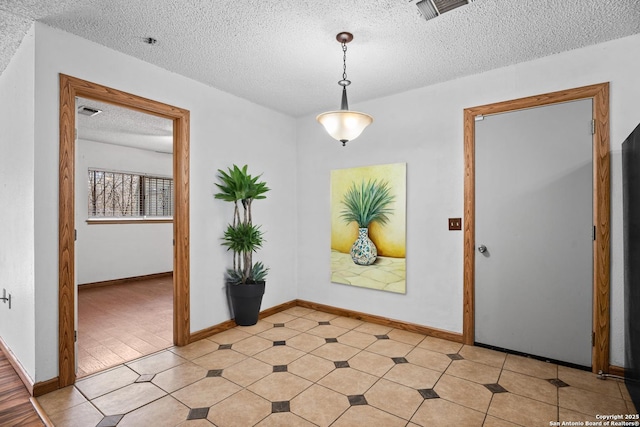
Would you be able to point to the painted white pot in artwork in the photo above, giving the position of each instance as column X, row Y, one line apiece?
column 364, row 251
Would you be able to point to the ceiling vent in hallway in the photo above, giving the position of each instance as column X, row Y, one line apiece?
column 430, row 9
column 88, row 111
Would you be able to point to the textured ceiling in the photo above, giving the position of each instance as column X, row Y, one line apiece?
column 283, row 54
column 121, row 126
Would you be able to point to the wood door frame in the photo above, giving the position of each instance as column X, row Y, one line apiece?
column 599, row 93
column 70, row 88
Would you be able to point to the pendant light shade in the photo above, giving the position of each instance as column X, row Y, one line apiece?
column 344, row 125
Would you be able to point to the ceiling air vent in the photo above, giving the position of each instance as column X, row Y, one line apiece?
column 433, row 8
column 88, row 111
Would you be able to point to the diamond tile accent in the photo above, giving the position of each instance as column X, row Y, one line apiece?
column 280, row 407
column 280, row 368
column 275, row 343
column 398, row 360
column 341, row 364
column 357, row 399
column 328, row 340
column 198, row 413
column 428, row 393
column 496, row 388
column 278, row 325
column 214, row 373
column 455, row 356
column 225, row 347
column 382, row 337
column 110, row 421
column 324, row 323
column 145, row 378
column 558, row 383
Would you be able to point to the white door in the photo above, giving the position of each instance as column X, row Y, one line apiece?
column 534, row 216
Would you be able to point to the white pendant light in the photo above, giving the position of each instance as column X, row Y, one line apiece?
column 344, row 125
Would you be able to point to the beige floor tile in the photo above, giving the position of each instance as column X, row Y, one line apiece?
column 301, row 324
column 440, row 345
column 195, row 423
column 406, row 337
column 178, row 377
column 105, row 382
column 336, row 351
column 156, row 363
column 357, row 339
column 490, row 421
column 311, row 367
column 390, row 348
column 252, row 345
column 466, row 393
column 371, row 363
column 60, row 400
column 531, row 387
column 229, row 337
column 394, row 398
column 280, row 318
column 306, row 342
column 279, row 386
column 166, row 411
column 365, row 415
column 128, row 398
column 247, row 372
column 413, row 376
column 531, row 367
column 279, row 355
column 588, row 402
column 206, row 392
column 521, row 410
column 429, row 359
column 473, row 371
column 257, row 328
column 278, row 334
column 320, row 316
column 284, row 419
column 240, row 410
column 195, row 349
column 319, row 405
column 219, row 359
column 568, row 415
column 623, row 390
column 82, row 415
column 589, row 381
column 373, row 329
column 348, row 381
column 631, row 408
column 298, row 311
column 440, row 412
column 327, row 331
column 346, row 322
column 483, row 355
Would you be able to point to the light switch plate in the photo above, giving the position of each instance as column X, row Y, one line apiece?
column 455, row 223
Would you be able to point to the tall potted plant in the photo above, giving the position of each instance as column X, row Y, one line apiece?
column 366, row 203
column 246, row 280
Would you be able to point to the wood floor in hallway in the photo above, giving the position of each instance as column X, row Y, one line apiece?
column 15, row 408
column 119, row 323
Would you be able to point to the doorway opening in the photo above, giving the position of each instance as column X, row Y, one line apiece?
column 70, row 88
column 599, row 94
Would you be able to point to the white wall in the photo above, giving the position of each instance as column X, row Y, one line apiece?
column 424, row 128
column 116, row 251
column 224, row 130
column 17, row 326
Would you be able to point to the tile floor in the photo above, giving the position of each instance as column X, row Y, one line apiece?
column 303, row 367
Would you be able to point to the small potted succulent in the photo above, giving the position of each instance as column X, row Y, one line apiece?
column 246, row 280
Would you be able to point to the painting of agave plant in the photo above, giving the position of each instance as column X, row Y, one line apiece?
column 368, row 222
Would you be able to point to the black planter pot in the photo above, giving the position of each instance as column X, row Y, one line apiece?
column 245, row 302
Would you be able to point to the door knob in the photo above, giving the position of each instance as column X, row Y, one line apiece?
column 482, row 249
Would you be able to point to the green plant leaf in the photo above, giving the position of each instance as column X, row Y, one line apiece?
column 368, row 202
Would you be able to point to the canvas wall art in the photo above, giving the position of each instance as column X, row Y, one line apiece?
column 368, row 227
